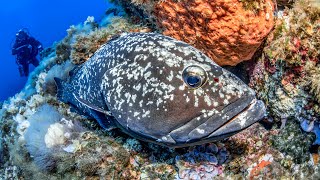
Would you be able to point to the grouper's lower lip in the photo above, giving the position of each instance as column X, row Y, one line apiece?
column 253, row 113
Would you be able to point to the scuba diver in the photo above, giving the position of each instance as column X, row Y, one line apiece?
column 26, row 49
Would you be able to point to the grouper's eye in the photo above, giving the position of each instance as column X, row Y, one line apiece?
column 194, row 76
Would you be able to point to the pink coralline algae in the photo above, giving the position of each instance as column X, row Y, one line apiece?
column 201, row 162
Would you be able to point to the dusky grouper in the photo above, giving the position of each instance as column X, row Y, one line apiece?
column 161, row 90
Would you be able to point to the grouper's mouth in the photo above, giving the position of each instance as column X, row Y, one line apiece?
column 236, row 117
column 253, row 113
column 217, row 129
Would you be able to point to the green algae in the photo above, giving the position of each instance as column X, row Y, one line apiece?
column 292, row 141
column 253, row 5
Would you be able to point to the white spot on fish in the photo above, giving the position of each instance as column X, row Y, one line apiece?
column 243, row 118
column 170, row 77
column 159, row 101
column 134, row 97
column 187, row 99
column 135, row 114
column 207, row 100
column 196, row 101
column 200, row 131
column 137, row 87
column 215, row 104
column 145, row 114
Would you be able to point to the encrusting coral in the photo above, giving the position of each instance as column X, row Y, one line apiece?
column 286, row 74
column 86, row 44
column 293, row 142
column 286, row 78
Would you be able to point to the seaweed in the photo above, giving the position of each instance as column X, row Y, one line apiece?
column 253, row 5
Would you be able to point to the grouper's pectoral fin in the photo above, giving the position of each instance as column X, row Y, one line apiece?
column 104, row 117
column 106, row 122
column 91, row 106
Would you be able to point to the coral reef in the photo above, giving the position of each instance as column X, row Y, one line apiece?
column 40, row 138
column 252, row 155
column 59, row 71
column 201, row 162
column 285, row 2
column 138, row 10
column 293, row 142
column 228, row 31
column 85, row 45
column 48, row 134
column 313, row 79
column 285, row 77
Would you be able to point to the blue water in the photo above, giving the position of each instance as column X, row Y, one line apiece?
column 47, row 21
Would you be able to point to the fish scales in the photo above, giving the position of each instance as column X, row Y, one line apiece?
column 161, row 90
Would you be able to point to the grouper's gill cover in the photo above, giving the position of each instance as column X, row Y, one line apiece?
column 161, row 90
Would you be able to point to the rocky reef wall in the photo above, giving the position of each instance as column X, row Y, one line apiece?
column 285, row 74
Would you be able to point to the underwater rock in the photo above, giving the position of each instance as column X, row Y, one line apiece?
column 316, row 131
column 47, row 133
column 286, row 76
column 210, row 157
column 60, row 71
column 1, row 152
column 313, row 78
column 158, row 171
column 307, row 126
column 228, row 31
column 85, row 45
column 293, row 142
column 288, row 3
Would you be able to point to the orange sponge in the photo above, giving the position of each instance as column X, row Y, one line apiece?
column 228, row 31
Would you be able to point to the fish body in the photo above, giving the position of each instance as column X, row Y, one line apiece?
column 161, row 90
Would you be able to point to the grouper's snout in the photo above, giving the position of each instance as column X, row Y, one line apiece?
column 253, row 113
column 236, row 117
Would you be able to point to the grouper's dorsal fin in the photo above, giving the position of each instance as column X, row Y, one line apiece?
column 91, row 106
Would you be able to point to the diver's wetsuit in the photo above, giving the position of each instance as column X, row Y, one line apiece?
column 26, row 50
